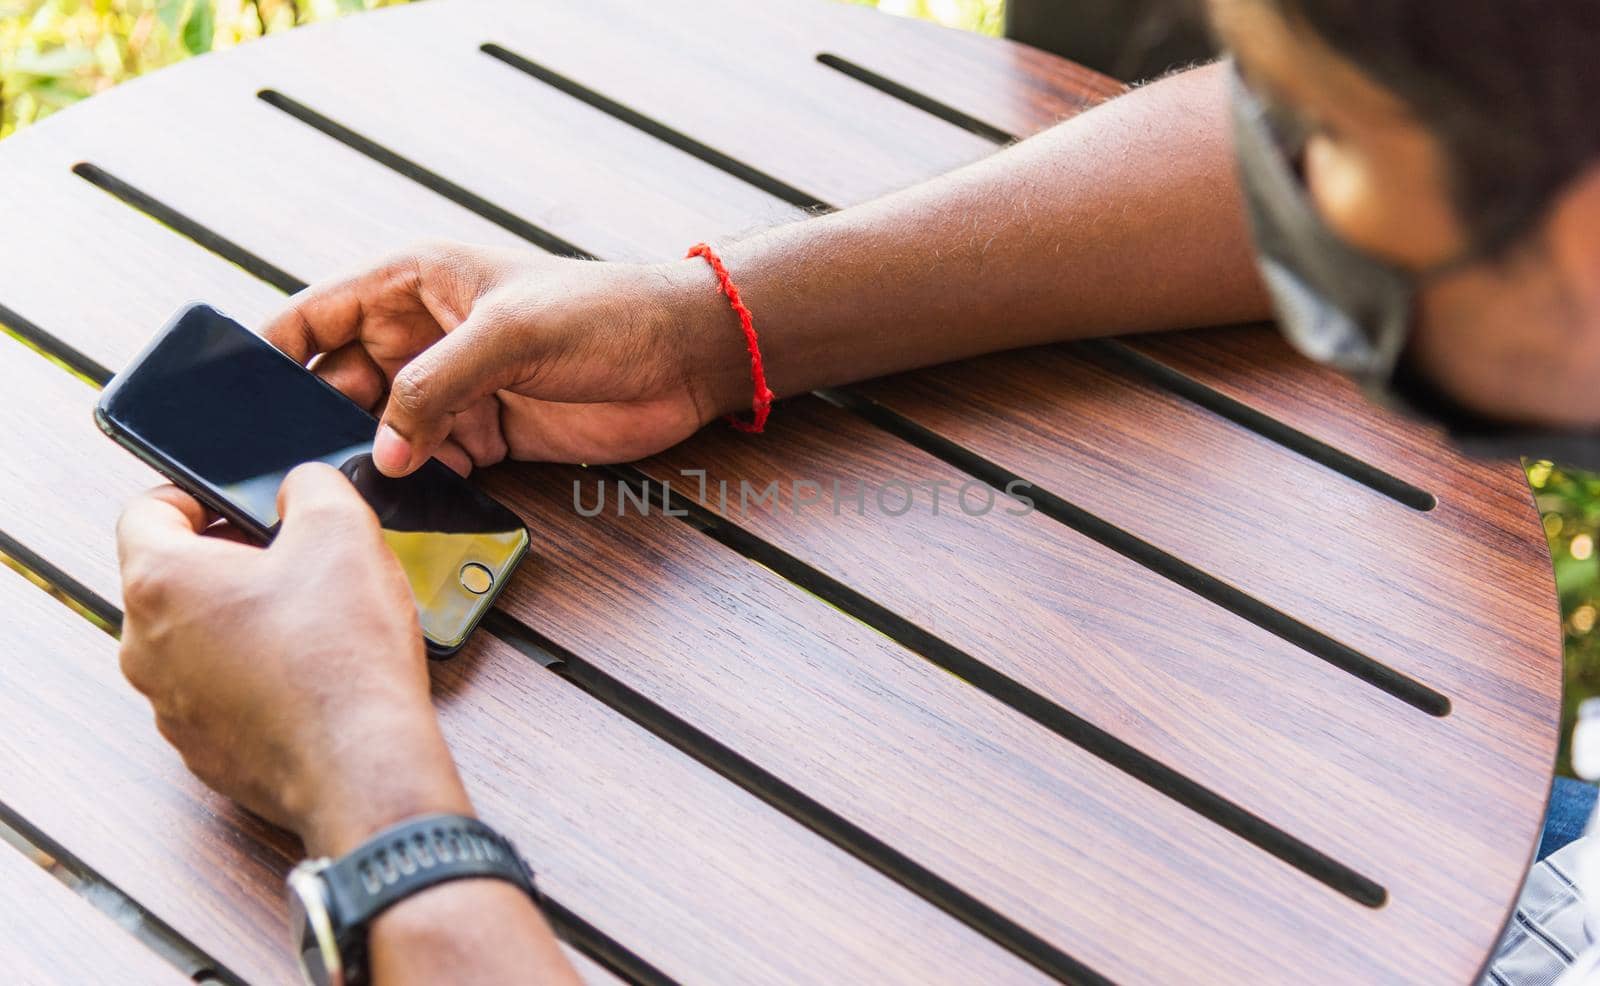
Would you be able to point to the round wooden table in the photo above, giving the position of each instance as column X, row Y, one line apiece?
column 1264, row 688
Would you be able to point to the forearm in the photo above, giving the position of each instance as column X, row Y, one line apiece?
column 1123, row 219
column 469, row 931
column 466, row 931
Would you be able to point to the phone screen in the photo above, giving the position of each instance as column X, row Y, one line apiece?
column 226, row 415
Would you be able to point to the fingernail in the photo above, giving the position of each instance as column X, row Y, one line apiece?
column 390, row 451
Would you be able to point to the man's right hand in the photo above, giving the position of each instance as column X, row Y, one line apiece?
column 474, row 355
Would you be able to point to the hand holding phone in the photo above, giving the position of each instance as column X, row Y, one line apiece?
column 226, row 416
column 477, row 354
column 261, row 663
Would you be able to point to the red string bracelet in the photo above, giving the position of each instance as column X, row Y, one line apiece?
column 761, row 403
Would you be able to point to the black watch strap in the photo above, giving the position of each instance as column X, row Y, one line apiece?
column 412, row 856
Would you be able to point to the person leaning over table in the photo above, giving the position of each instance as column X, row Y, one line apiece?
column 1411, row 185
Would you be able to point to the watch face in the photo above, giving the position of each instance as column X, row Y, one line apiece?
column 312, row 927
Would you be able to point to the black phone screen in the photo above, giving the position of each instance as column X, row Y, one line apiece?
column 227, row 415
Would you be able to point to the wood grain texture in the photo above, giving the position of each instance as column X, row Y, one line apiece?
column 696, row 877
column 744, row 78
column 753, row 68
column 1220, row 699
column 1012, row 87
column 1062, row 843
column 1255, row 365
column 1450, row 596
column 126, row 250
column 50, row 935
column 260, row 226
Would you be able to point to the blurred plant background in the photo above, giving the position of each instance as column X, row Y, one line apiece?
column 983, row 16
column 1569, row 503
column 56, row 52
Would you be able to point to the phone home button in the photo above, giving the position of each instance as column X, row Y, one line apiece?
column 476, row 578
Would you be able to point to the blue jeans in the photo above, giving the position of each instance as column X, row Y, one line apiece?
column 1570, row 805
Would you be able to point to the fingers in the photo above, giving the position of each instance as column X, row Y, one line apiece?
column 474, row 440
column 453, row 455
column 160, row 548
column 482, row 356
column 326, row 316
column 159, row 521
column 316, row 499
column 321, row 318
column 477, row 430
column 351, row 371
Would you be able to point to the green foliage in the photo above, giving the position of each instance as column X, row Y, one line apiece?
column 983, row 16
column 200, row 30
column 56, row 52
column 1569, row 505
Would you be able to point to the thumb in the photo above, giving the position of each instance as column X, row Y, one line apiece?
column 316, row 500
column 480, row 357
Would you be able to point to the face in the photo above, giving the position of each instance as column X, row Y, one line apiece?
column 1515, row 338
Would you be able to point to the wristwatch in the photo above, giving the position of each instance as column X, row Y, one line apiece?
column 333, row 902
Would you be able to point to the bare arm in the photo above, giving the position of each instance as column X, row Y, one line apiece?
column 465, row 931
column 478, row 932
column 1123, row 219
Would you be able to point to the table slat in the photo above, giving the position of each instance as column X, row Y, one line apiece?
column 1009, row 86
column 1254, row 365
column 233, row 176
column 48, row 934
column 590, row 971
column 749, row 68
column 80, row 232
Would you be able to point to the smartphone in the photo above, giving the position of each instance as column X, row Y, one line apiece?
column 224, row 415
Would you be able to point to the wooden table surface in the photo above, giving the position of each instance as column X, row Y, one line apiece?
column 1264, row 689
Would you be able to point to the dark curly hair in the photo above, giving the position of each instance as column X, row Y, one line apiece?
column 1510, row 87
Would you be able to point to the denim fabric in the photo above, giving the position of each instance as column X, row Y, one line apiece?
column 1570, row 805
column 1548, row 932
